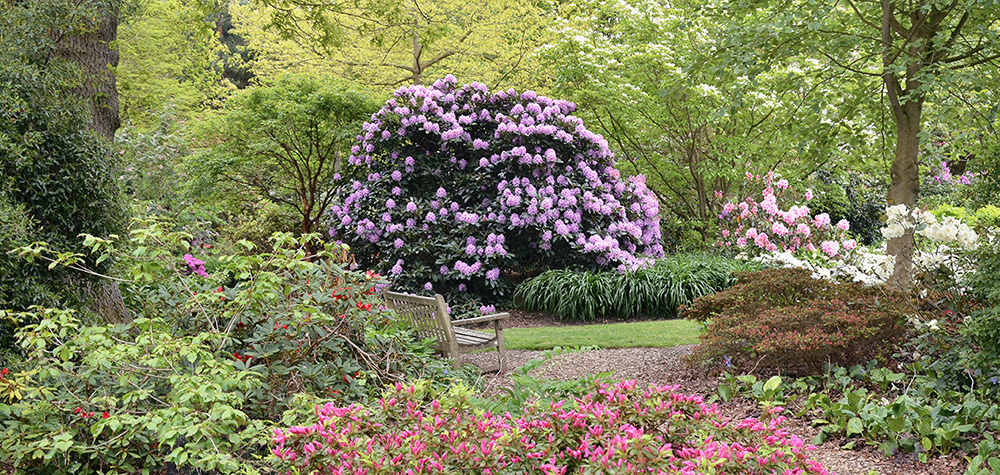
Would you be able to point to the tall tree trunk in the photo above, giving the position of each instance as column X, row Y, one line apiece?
column 906, row 101
column 91, row 50
column 904, row 186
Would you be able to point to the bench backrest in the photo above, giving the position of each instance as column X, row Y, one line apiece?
column 428, row 316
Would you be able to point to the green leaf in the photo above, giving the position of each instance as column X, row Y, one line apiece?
column 994, row 463
column 772, row 383
column 896, row 424
column 855, row 426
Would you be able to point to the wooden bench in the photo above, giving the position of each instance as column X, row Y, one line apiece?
column 429, row 318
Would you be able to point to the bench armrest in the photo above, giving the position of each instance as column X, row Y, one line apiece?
column 485, row 318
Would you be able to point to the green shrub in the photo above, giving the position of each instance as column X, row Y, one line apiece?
column 216, row 350
column 124, row 398
column 956, row 212
column 783, row 320
column 855, row 197
column 983, row 324
column 988, row 216
column 656, row 291
column 54, row 170
column 21, row 283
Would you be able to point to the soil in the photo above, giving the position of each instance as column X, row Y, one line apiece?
column 666, row 366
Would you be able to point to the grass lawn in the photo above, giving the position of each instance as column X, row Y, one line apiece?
column 659, row 333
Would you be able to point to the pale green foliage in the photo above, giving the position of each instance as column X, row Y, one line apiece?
column 209, row 357
column 654, row 292
column 391, row 43
column 135, row 390
column 168, row 60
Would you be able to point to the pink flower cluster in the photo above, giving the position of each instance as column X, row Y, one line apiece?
column 195, row 265
column 765, row 227
column 617, row 428
column 944, row 176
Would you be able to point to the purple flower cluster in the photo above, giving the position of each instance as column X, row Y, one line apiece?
column 944, row 175
column 476, row 182
column 195, row 265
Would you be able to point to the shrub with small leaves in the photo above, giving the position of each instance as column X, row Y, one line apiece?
column 460, row 189
column 786, row 321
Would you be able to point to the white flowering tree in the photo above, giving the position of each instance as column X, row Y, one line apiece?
column 911, row 55
column 679, row 103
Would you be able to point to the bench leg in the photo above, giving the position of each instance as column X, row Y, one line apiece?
column 501, row 352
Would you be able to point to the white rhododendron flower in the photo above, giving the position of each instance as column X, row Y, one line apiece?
column 893, row 230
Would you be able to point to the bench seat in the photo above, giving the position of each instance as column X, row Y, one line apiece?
column 429, row 318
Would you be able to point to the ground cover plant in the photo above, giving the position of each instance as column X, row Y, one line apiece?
column 457, row 189
column 619, row 428
column 656, row 291
column 784, row 320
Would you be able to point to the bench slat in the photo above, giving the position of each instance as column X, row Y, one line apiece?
column 472, row 337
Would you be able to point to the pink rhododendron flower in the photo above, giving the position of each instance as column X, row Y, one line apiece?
column 822, row 220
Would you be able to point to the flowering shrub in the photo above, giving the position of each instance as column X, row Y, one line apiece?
column 949, row 230
column 461, row 189
column 214, row 351
column 763, row 227
column 784, row 320
column 616, row 428
column 943, row 175
column 941, row 256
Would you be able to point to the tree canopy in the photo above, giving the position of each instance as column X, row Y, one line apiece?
column 386, row 44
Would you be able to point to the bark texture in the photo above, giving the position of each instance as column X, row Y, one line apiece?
column 91, row 50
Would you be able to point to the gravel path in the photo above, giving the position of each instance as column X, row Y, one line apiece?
column 665, row 366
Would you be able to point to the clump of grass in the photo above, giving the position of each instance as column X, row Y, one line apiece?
column 653, row 292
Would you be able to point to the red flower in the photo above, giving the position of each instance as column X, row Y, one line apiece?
column 105, row 415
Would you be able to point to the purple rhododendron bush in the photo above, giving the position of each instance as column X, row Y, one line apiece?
column 616, row 428
column 457, row 188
